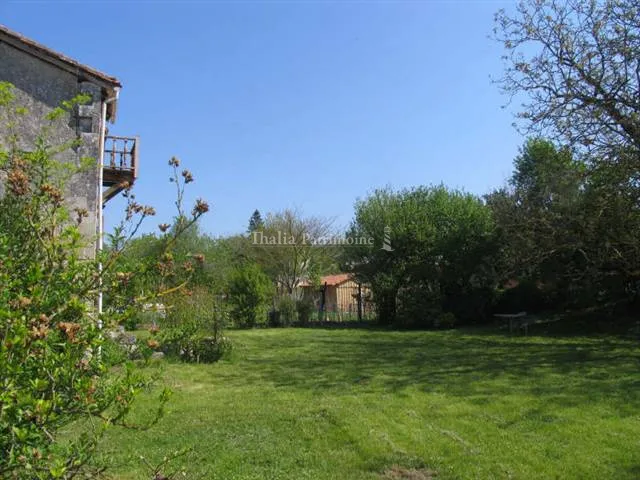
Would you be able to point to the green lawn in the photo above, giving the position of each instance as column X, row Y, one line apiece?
column 350, row 404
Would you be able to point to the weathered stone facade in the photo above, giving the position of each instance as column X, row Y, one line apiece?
column 42, row 85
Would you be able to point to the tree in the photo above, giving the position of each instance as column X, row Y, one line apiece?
column 537, row 210
column 577, row 63
column 610, row 228
column 546, row 175
column 438, row 257
column 291, row 247
column 569, row 232
column 255, row 222
column 249, row 293
column 539, row 218
column 213, row 257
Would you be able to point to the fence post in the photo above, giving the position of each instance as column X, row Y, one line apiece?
column 359, row 302
column 323, row 300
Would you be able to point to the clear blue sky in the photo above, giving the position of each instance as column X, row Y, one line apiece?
column 293, row 104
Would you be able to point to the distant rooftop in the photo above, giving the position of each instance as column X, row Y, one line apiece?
column 331, row 280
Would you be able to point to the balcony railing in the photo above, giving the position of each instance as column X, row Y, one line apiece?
column 121, row 153
column 119, row 164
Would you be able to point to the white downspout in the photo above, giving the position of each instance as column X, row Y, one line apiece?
column 103, row 134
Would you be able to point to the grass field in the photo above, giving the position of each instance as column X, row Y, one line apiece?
column 361, row 404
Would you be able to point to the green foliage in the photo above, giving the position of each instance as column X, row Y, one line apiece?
column 546, row 176
column 212, row 259
column 113, row 353
column 199, row 306
column 52, row 372
column 610, row 227
column 131, row 323
column 192, row 329
column 289, row 248
column 573, row 228
column 439, row 253
column 569, row 233
column 249, row 292
column 255, row 222
column 190, row 344
column 287, row 311
column 446, row 320
column 68, row 105
column 524, row 297
column 417, row 305
column 304, row 309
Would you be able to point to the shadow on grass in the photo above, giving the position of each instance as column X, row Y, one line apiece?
column 564, row 371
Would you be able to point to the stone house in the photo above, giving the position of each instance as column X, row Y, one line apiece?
column 43, row 79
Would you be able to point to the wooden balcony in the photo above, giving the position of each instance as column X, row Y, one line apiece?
column 119, row 165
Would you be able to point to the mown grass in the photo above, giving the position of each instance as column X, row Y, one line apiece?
column 350, row 404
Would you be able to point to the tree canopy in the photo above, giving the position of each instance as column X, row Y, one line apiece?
column 441, row 242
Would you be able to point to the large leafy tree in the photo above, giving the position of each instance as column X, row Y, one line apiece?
column 538, row 212
column 611, row 229
column 432, row 251
column 570, row 228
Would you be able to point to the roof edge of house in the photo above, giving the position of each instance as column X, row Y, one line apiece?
column 331, row 280
column 68, row 64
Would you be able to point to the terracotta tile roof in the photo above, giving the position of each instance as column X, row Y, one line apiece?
column 330, row 280
column 36, row 49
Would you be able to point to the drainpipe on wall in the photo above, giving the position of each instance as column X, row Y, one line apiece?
column 103, row 134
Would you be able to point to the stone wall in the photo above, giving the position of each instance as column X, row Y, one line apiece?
column 41, row 87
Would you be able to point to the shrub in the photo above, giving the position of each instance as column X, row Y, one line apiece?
column 470, row 305
column 526, row 296
column 176, row 340
column 193, row 328
column 201, row 308
column 287, row 310
column 273, row 318
column 113, row 353
column 209, row 349
column 249, row 291
column 446, row 320
column 189, row 344
column 131, row 323
column 304, row 308
column 416, row 308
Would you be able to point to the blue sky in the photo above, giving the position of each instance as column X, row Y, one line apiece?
column 305, row 105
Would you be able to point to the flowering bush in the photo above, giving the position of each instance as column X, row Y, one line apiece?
column 52, row 373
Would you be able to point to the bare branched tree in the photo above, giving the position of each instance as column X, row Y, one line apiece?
column 290, row 246
column 577, row 64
